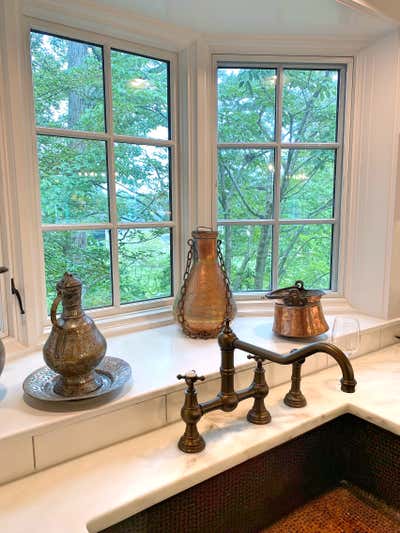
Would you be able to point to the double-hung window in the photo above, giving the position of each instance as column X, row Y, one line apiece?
column 105, row 151
column 280, row 142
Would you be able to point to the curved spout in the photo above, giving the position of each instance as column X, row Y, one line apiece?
column 348, row 383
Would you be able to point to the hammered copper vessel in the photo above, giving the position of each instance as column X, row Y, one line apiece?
column 2, row 351
column 75, row 345
column 205, row 300
column 298, row 312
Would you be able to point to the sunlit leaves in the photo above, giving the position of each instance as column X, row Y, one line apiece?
column 307, row 183
column 144, row 256
column 140, row 95
column 73, row 180
column 309, row 105
column 246, row 115
column 305, row 253
column 248, row 269
column 68, row 83
column 246, row 105
column 85, row 253
column 142, row 183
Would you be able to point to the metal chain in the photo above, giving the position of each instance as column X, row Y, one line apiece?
column 181, row 301
column 228, row 292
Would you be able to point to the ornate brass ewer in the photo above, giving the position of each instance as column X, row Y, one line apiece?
column 2, row 351
column 205, row 300
column 75, row 346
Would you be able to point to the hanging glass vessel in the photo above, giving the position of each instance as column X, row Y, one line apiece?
column 205, row 300
column 2, row 351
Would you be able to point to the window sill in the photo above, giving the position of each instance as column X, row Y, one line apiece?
column 32, row 439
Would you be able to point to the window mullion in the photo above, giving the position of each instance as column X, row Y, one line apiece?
column 75, row 134
column 111, row 176
column 277, row 181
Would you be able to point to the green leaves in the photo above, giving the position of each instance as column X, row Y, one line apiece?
column 246, row 115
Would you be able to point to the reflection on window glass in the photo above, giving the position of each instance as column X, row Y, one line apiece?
column 142, row 183
column 307, row 183
column 305, row 253
column 67, row 82
column 140, row 95
column 246, row 104
column 73, row 180
column 248, row 254
column 145, row 264
column 245, row 184
column 85, row 253
column 310, row 105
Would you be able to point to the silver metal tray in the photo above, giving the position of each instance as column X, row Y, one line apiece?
column 114, row 373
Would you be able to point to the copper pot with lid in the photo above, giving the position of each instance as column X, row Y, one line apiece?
column 298, row 311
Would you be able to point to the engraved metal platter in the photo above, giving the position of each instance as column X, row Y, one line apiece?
column 114, row 373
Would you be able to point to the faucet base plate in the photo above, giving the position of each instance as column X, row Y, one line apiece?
column 295, row 399
column 191, row 445
column 258, row 418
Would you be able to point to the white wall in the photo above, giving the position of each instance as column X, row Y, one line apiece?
column 374, row 229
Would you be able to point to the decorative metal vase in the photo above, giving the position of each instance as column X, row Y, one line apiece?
column 75, row 346
column 205, row 300
column 2, row 351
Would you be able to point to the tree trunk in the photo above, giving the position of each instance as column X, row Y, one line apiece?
column 261, row 260
column 77, row 53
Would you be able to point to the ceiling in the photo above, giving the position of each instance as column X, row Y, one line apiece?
column 347, row 18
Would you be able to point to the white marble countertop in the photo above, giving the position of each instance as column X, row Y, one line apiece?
column 156, row 357
column 106, row 486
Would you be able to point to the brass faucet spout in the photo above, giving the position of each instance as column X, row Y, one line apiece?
column 348, row 383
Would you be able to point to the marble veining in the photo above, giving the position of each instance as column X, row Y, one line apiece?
column 109, row 485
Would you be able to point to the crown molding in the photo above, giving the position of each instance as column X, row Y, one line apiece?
column 320, row 45
column 371, row 9
column 120, row 23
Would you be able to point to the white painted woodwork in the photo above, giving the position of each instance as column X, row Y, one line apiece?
column 373, row 233
column 321, row 30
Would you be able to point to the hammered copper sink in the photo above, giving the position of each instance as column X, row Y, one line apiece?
column 342, row 477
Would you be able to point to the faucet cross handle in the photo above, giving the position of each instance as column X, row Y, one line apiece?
column 191, row 377
column 257, row 358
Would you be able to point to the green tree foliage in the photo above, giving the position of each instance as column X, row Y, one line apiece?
column 69, row 94
column 246, row 114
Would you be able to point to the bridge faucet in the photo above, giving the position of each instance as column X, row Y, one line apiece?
column 228, row 399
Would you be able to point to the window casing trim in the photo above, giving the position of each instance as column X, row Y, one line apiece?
column 109, row 43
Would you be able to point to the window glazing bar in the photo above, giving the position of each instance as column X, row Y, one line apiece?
column 142, row 140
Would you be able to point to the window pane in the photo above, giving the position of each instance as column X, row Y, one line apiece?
column 85, row 253
column 68, row 83
column 142, row 183
column 140, row 95
column 247, row 253
column 73, row 180
column 245, row 184
column 144, row 263
column 246, row 104
column 310, row 105
column 307, row 183
column 305, row 253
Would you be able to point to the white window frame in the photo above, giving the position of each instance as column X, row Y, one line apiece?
column 127, row 311
column 345, row 65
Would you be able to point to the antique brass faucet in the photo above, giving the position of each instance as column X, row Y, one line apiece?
column 227, row 399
